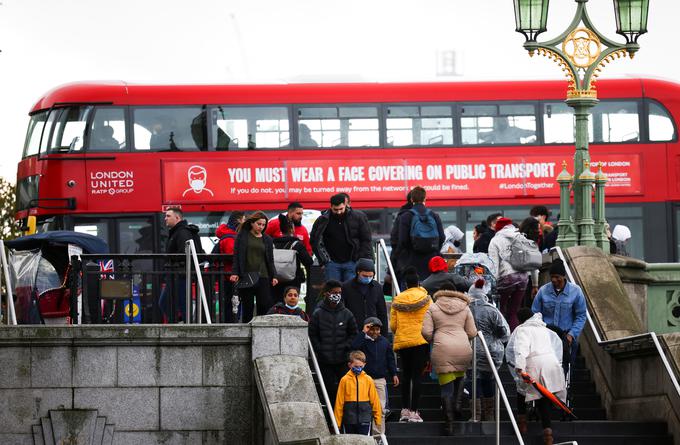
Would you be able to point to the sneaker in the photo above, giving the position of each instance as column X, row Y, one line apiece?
column 415, row 417
column 405, row 415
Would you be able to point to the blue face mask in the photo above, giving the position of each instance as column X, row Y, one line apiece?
column 291, row 307
column 357, row 369
column 364, row 280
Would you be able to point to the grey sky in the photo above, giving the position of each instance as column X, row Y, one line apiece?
column 46, row 43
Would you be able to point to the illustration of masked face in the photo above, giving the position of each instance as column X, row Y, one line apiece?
column 198, row 177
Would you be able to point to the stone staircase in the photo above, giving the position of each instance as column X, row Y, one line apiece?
column 591, row 428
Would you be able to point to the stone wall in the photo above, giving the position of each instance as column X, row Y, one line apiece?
column 153, row 384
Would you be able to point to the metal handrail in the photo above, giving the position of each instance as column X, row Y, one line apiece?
column 381, row 246
column 329, row 408
column 500, row 391
column 11, row 312
column 190, row 250
column 602, row 343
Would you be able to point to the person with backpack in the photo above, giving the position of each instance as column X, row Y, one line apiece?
column 278, row 227
column 506, row 250
column 179, row 232
column 302, row 260
column 421, row 235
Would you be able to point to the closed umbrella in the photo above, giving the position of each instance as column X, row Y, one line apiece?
column 547, row 394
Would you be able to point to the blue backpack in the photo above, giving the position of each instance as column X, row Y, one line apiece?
column 424, row 233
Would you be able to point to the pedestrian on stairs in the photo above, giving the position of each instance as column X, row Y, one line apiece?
column 536, row 350
column 406, row 321
column 331, row 330
column 496, row 331
column 449, row 326
column 357, row 403
column 380, row 363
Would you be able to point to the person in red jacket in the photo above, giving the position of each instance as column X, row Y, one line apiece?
column 227, row 237
column 292, row 217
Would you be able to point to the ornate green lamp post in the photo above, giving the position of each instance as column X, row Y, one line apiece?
column 581, row 51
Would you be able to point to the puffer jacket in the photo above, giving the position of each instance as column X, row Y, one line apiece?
column 493, row 326
column 357, row 400
column 331, row 331
column 227, row 239
column 499, row 250
column 449, row 325
column 406, row 317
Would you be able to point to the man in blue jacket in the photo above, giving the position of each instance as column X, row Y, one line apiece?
column 380, row 362
column 562, row 304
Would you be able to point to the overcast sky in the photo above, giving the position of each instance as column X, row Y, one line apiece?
column 46, row 43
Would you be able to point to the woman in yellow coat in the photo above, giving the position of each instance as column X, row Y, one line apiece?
column 406, row 321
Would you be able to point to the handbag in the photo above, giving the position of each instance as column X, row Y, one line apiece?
column 285, row 263
column 248, row 280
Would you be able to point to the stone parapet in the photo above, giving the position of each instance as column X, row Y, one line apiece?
column 152, row 384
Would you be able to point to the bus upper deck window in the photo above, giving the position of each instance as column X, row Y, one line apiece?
column 346, row 126
column 249, row 128
column 69, row 129
column 660, row 123
column 614, row 121
column 34, row 133
column 498, row 124
column 108, row 129
column 419, row 125
column 170, row 128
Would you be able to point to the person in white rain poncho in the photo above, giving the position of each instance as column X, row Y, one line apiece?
column 536, row 350
column 452, row 243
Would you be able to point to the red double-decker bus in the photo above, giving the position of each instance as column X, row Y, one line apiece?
column 107, row 157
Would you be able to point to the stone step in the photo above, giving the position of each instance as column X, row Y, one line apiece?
column 435, row 414
column 582, row 427
column 534, row 439
column 434, row 401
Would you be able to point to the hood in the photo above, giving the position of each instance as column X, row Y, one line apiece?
column 223, row 230
column 508, row 231
column 621, row 233
column 450, row 301
column 477, row 295
column 411, row 300
column 536, row 321
column 453, row 233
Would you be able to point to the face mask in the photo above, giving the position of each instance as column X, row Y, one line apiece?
column 357, row 369
column 364, row 280
column 334, row 298
column 291, row 307
column 197, row 184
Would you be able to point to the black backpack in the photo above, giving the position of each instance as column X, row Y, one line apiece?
column 216, row 247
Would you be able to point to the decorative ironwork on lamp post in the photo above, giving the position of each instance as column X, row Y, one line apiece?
column 581, row 51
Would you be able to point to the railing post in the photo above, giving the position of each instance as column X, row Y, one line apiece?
column 11, row 312
column 498, row 413
column 473, row 405
column 187, row 283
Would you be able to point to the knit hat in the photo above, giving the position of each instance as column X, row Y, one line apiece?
column 438, row 264
column 366, row 265
column 502, row 222
column 557, row 268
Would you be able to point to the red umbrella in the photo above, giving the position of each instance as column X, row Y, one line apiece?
column 547, row 394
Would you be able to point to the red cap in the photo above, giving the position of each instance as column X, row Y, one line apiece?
column 502, row 222
column 438, row 264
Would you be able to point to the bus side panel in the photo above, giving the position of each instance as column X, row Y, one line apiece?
column 62, row 179
column 128, row 183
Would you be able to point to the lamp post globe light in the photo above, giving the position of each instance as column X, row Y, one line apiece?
column 581, row 51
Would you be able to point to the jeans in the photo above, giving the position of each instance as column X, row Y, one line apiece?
column 340, row 271
column 178, row 289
